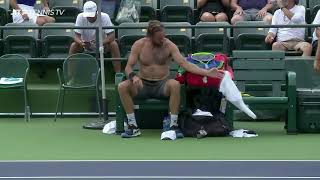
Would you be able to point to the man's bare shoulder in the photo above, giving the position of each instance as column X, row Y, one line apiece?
column 139, row 43
column 169, row 43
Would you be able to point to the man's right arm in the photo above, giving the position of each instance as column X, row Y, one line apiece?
column 133, row 57
column 77, row 38
column 272, row 31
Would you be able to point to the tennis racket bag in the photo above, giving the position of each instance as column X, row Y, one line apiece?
column 204, row 60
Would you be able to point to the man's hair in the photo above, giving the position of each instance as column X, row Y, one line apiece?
column 153, row 27
column 297, row 1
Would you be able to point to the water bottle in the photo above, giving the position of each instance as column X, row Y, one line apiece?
column 223, row 105
column 166, row 123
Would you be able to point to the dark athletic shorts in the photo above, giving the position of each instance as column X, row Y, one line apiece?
column 152, row 89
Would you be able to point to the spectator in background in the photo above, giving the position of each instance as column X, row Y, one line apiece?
column 213, row 10
column 23, row 11
column 85, row 39
column 251, row 10
column 314, row 35
column 289, row 38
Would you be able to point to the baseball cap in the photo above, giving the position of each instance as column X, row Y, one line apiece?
column 89, row 9
column 169, row 135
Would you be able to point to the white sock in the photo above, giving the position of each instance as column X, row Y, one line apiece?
column 132, row 119
column 173, row 120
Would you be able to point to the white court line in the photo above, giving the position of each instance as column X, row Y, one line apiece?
column 156, row 177
column 8, row 161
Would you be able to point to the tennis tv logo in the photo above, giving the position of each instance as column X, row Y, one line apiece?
column 51, row 12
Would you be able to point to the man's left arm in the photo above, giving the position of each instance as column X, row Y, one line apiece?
column 176, row 55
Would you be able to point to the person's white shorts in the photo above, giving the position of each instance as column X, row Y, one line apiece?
column 17, row 17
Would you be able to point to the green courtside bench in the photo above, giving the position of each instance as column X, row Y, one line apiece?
column 265, row 71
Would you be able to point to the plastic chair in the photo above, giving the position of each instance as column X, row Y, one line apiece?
column 250, row 38
column 177, row 10
column 16, row 66
column 56, row 42
column 4, row 15
column 80, row 71
column 127, row 37
column 148, row 10
column 212, row 39
column 71, row 9
column 21, row 41
column 314, row 6
column 179, row 36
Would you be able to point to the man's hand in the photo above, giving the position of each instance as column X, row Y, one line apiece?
column 316, row 65
column 215, row 73
column 85, row 44
column 262, row 13
column 24, row 15
column 137, row 82
column 239, row 11
column 269, row 39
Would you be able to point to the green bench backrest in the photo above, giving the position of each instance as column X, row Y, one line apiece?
column 262, row 66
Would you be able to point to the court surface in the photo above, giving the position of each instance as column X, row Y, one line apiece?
column 160, row 170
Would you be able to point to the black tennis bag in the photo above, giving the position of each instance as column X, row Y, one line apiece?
column 202, row 126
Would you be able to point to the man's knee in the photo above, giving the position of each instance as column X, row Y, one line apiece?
column 174, row 85
column 123, row 87
column 236, row 18
column 221, row 17
column 45, row 19
column 208, row 17
column 277, row 46
column 268, row 19
column 306, row 48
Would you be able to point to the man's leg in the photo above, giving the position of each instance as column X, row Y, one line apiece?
column 236, row 18
column 305, row 47
column 41, row 20
column 279, row 46
column 172, row 90
column 207, row 17
column 115, row 53
column 127, row 92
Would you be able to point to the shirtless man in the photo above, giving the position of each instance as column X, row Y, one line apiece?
column 154, row 53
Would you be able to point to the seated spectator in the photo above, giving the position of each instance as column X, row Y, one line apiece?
column 314, row 35
column 23, row 11
column 289, row 38
column 85, row 39
column 251, row 10
column 213, row 10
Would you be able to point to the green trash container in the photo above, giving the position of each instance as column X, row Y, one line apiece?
column 308, row 110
